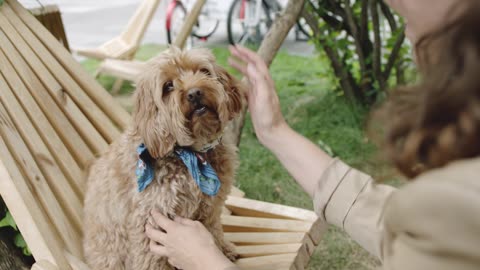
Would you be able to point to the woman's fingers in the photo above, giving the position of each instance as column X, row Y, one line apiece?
column 243, row 54
column 235, row 52
column 246, row 55
column 184, row 221
column 242, row 68
column 158, row 249
column 252, row 58
column 155, row 235
column 162, row 221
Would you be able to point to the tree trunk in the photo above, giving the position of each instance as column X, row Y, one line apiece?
column 10, row 257
column 347, row 82
column 268, row 49
column 279, row 31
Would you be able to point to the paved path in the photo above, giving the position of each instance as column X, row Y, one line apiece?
column 89, row 23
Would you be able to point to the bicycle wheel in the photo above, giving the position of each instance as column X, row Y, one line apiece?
column 176, row 14
column 205, row 26
column 242, row 28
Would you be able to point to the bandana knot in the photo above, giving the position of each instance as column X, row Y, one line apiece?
column 201, row 171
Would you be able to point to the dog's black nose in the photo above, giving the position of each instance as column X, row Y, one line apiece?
column 194, row 95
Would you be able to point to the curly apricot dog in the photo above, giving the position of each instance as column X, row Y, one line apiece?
column 172, row 158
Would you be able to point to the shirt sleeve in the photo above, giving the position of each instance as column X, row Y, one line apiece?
column 351, row 200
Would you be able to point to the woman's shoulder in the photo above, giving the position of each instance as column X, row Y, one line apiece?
column 437, row 212
column 464, row 171
column 455, row 185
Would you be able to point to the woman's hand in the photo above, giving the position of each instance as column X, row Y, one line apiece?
column 263, row 101
column 304, row 160
column 187, row 244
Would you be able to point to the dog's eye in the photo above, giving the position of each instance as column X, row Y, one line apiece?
column 205, row 71
column 167, row 87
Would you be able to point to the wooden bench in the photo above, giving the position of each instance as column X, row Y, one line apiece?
column 55, row 118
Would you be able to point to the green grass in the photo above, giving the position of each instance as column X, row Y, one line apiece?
column 312, row 108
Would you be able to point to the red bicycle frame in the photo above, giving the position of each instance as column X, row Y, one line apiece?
column 170, row 9
column 242, row 9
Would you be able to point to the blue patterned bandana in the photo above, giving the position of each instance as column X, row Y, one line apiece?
column 145, row 167
column 202, row 172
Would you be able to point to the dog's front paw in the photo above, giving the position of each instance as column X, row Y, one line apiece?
column 228, row 250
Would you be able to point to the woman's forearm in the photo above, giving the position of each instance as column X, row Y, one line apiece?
column 304, row 160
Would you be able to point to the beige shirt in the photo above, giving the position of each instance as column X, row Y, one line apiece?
column 431, row 223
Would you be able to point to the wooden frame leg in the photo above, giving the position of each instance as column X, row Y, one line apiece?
column 97, row 73
column 117, row 85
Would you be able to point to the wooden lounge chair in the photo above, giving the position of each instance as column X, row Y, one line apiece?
column 55, row 118
column 127, row 43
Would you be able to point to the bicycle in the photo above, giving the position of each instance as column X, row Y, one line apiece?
column 175, row 16
column 249, row 20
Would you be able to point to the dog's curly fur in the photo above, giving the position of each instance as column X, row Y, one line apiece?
column 115, row 212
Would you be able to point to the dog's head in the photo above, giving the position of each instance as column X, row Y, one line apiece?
column 184, row 98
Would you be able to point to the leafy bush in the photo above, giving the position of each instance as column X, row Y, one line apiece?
column 364, row 41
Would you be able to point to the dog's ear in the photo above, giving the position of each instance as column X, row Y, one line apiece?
column 150, row 116
column 236, row 91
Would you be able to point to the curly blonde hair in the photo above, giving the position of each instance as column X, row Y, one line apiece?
column 438, row 120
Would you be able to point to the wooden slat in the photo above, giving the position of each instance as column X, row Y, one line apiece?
column 67, row 196
column 48, row 134
column 272, row 262
column 252, row 224
column 188, row 23
column 94, row 53
column 101, row 97
column 115, row 49
column 252, row 238
column 252, row 208
column 271, row 238
column 263, row 250
column 137, row 25
column 29, row 217
column 38, row 184
column 127, row 70
column 55, row 116
column 67, row 94
column 237, row 192
column 300, row 262
column 225, row 211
